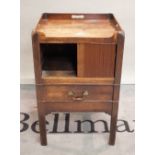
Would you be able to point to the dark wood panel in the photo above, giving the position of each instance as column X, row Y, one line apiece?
column 96, row 60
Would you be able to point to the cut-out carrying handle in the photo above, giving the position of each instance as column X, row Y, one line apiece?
column 77, row 16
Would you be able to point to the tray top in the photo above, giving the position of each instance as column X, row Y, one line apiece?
column 77, row 25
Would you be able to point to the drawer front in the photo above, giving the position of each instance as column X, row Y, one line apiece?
column 75, row 93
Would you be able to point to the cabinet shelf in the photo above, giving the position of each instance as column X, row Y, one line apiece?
column 59, row 59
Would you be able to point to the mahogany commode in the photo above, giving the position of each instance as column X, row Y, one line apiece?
column 77, row 63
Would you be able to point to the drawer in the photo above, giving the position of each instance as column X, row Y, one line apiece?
column 75, row 93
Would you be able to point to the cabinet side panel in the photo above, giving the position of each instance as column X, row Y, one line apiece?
column 36, row 56
column 96, row 60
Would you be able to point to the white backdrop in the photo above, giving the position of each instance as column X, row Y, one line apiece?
column 31, row 11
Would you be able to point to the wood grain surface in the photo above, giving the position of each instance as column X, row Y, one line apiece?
column 60, row 93
column 96, row 60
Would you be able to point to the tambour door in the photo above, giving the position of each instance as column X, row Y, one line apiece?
column 96, row 60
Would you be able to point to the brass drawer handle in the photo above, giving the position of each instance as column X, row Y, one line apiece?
column 78, row 98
